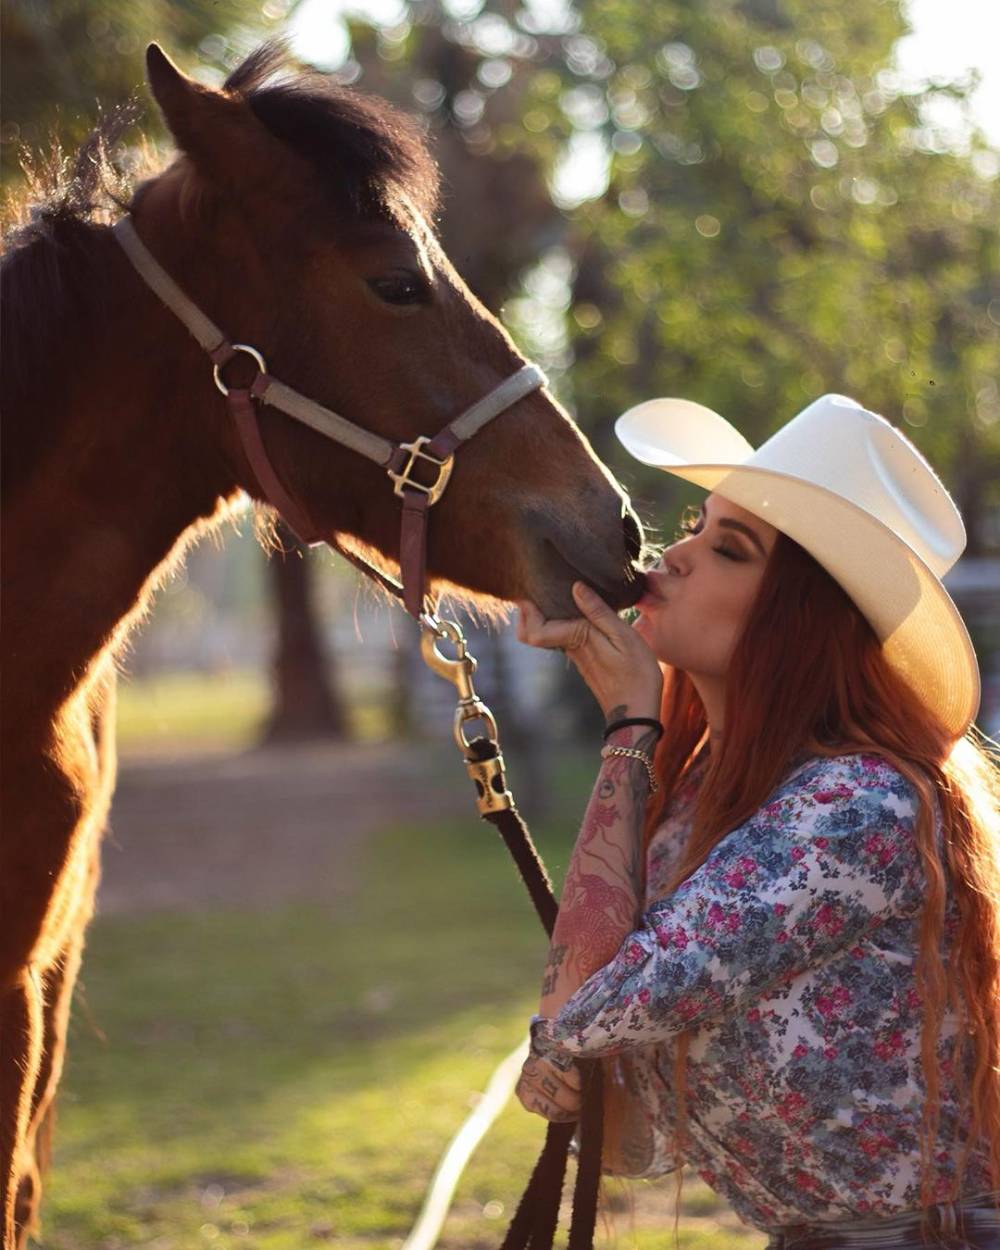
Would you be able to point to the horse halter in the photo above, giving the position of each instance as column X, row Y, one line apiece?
column 400, row 460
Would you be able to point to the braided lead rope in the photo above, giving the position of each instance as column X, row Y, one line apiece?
column 536, row 1218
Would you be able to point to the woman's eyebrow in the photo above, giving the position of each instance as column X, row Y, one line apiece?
column 729, row 524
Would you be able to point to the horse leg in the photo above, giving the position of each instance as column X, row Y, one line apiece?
column 57, row 989
column 34, row 1008
column 21, row 1031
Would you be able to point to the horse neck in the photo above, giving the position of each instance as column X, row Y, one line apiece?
column 132, row 470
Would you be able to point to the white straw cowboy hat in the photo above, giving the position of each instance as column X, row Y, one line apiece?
column 860, row 498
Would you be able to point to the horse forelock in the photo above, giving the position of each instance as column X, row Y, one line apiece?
column 366, row 153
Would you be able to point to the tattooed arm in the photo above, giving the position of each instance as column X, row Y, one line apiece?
column 604, row 885
column 602, row 898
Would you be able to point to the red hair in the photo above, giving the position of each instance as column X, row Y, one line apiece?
column 808, row 673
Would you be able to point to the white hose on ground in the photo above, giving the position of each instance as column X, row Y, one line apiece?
column 442, row 1187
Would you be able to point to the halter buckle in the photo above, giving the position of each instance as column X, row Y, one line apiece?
column 402, row 479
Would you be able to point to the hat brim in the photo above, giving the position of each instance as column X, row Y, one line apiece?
column 922, row 632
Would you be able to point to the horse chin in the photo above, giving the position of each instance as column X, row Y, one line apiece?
column 552, row 585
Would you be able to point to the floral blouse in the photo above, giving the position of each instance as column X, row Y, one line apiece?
column 789, row 956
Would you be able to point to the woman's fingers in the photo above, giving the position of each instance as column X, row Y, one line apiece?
column 611, row 657
column 569, row 635
column 563, row 1069
column 550, row 1092
column 597, row 612
column 536, row 631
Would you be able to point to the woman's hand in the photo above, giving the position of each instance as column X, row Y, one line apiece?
column 620, row 669
column 550, row 1090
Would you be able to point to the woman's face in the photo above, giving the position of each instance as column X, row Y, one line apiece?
column 699, row 594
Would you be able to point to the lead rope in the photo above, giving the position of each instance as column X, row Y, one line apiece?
column 536, row 1218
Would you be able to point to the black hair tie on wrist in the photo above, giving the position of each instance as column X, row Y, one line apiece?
column 634, row 720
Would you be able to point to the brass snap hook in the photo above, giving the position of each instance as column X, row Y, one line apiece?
column 487, row 775
column 459, row 670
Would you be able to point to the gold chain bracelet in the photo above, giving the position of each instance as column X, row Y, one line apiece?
column 633, row 753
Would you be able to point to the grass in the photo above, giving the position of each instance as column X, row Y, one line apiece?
column 282, row 1078
column 224, row 710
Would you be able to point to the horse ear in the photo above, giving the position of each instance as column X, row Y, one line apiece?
column 192, row 112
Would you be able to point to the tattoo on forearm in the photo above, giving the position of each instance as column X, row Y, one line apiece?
column 557, row 953
column 600, row 899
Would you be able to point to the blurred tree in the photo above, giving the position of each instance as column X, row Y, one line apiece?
column 59, row 59
column 782, row 215
column 782, row 218
column 307, row 701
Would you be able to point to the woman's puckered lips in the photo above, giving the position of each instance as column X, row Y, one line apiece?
column 656, row 585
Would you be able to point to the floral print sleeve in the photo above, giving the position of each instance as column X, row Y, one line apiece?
column 829, row 858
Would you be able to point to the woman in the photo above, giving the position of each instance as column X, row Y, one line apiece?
column 781, row 920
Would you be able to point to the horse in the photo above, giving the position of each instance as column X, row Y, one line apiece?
column 298, row 214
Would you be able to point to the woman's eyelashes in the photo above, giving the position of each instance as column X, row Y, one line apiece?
column 689, row 527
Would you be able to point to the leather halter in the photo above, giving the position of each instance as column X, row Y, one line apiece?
column 398, row 459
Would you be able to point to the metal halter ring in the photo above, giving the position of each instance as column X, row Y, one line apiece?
column 237, row 347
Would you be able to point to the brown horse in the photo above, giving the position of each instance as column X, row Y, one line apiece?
column 296, row 215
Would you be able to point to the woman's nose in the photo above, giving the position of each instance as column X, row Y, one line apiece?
column 671, row 562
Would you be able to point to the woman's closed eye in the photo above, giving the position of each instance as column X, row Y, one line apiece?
column 689, row 526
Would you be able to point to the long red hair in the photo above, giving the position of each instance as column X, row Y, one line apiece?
column 809, row 674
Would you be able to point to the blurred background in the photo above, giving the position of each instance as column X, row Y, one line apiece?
column 746, row 202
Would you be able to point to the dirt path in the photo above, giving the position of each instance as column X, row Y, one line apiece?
column 265, row 827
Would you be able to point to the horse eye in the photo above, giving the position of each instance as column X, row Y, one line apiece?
column 401, row 288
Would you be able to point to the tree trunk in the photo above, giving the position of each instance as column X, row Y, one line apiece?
column 307, row 703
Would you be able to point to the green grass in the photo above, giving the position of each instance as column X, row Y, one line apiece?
column 222, row 710
column 283, row 1078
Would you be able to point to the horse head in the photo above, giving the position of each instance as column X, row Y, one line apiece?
column 299, row 215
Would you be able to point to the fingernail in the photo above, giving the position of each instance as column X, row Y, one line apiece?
column 582, row 590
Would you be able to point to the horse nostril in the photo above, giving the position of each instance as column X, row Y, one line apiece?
column 633, row 536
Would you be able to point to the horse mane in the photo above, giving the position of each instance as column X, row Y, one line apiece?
column 53, row 258
column 51, row 270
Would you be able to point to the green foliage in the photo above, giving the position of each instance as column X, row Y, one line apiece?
column 780, row 222
column 62, row 61
column 782, row 218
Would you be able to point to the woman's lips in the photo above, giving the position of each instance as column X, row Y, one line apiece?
column 652, row 597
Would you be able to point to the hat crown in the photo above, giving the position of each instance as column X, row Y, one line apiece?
column 858, row 455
